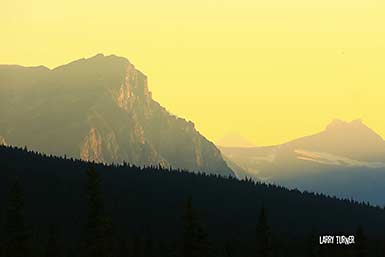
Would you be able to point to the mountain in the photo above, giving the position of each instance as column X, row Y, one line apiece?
column 98, row 109
column 347, row 159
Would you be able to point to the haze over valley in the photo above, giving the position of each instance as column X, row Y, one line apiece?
column 205, row 128
column 346, row 159
column 100, row 109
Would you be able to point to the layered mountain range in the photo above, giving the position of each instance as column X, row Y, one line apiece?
column 98, row 109
column 346, row 159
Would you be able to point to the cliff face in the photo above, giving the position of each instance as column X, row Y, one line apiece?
column 2, row 141
column 99, row 109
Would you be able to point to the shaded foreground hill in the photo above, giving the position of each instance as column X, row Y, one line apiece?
column 136, row 197
column 150, row 202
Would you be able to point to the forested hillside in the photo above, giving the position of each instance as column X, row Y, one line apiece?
column 77, row 208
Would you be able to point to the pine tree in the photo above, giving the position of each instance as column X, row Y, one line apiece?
column 52, row 247
column 168, row 249
column 264, row 248
column 123, row 249
column 360, row 243
column 202, row 241
column 311, row 244
column 189, row 221
column 195, row 242
column 16, row 243
column 229, row 249
column 232, row 246
column 137, row 246
column 98, row 231
column 148, row 244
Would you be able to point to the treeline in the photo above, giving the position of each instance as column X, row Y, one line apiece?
column 99, row 240
column 122, row 210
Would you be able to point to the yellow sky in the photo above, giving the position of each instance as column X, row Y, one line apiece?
column 269, row 70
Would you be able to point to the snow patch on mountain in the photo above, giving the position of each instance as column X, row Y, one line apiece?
column 332, row 159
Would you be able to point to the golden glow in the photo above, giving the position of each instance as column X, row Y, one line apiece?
column 268, row 70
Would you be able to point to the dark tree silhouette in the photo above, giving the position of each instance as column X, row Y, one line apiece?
column 53, row 246
column 16, row 243
column 98, row 227
column 123, row 248
column 195, row 242
column 311, row 244
column 152, row 195
column 202, row 241
column 264, row 248
column 137, row 246
column 229, row 248
column 148, row 244
column 360, row 243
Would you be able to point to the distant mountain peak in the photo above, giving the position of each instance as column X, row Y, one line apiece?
column 351, row 139
column 338, row 124
column 98, row 55
column 101, row 56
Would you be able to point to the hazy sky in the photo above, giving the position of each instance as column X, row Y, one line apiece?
column 269, row 70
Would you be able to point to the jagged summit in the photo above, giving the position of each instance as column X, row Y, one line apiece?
column 97, row 61
column 107, row 58
column 337, row 124
column 98, row 58
column 353, row 133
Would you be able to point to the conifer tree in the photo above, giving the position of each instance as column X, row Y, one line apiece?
column 202, row 241
column 16, row 243
column 195, row 242
column 230, row 248
column 123, row 249
column 360, row 243
column 52, row 247
column 311, row 244
column 264, row 248
column 98, row 227
column 148, row 244
column 137, row 246
column 189, row 221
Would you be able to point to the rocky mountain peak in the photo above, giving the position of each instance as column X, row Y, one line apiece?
column 354, row 128
column 336, row 124
column 100, row 109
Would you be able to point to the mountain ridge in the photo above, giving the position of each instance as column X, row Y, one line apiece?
column 99, row 109
column 345, row 159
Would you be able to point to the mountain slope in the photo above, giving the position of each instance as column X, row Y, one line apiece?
column 347, row 159
column 99, row 109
